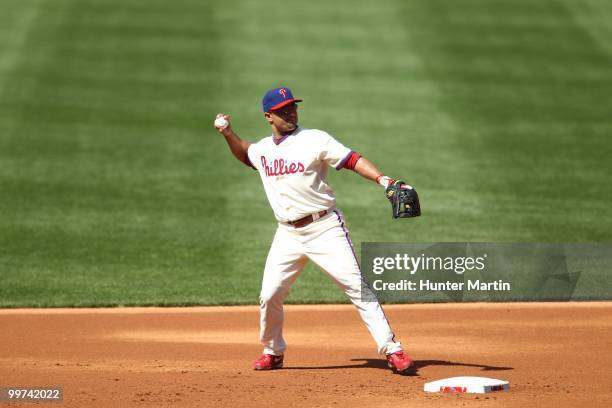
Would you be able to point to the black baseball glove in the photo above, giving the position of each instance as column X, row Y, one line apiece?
column 404, row 200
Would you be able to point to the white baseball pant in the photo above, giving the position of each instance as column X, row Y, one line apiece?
column 325, row 242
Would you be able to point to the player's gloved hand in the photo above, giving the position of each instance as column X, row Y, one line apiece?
column 404, row 200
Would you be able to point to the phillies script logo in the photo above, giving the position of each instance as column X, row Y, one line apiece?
column 283, row 92
column 279, row 167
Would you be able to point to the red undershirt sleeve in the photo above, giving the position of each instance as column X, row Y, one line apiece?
column 350, row 161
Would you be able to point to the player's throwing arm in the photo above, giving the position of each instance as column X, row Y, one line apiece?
column 237, row 146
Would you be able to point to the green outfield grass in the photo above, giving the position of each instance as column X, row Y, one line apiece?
column 116, row 190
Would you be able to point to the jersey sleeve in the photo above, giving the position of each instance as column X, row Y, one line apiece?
column 332, row 151
column 252, row 156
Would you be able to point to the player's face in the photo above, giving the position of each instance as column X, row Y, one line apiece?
column 285, row 119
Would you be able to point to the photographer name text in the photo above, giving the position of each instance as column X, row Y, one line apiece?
column 427, row 285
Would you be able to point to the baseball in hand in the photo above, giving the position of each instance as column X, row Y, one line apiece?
column 221, row 123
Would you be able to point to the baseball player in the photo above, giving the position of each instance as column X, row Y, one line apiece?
column 293, row 164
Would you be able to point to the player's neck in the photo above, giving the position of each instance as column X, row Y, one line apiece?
column 277, row 135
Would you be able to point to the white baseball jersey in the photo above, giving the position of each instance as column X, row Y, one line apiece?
column 294, row 171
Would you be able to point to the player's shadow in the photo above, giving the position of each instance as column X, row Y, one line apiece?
column 414, row 370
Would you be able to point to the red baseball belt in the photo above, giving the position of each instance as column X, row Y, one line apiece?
column 302, row 222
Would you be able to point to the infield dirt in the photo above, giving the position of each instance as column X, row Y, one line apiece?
column 554, row 355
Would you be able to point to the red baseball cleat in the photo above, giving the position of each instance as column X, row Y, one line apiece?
column 268, row 362
column 399, row 362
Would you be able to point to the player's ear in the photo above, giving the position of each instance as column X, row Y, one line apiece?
column 268, row 117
